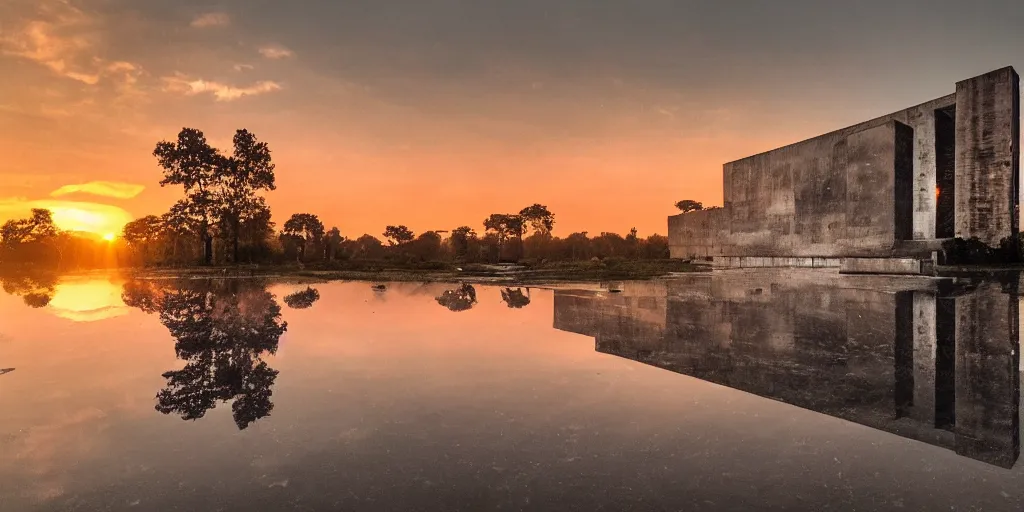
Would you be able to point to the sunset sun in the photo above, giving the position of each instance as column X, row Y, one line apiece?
column 109, row 237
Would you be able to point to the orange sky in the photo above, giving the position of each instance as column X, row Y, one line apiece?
column 436, row 114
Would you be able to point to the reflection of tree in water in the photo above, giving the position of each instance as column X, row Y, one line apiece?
column 459, row 299
column 221, row 329
column 516, row 298
column 36, row 289
column 302, row 299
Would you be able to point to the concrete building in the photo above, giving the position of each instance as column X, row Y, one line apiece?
column 882, row 196
column 934, row 360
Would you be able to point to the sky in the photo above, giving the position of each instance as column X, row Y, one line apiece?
column 435, row 114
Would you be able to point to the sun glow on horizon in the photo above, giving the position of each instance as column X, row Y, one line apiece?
column 109, row 237
column 101, row 220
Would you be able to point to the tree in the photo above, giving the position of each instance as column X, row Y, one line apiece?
column 398, row 235
column 516, row 299
column 302, row 299
column 459, row 299
column 192, row 163
column 427, row 246
column 633, row 243
column 22, row 239
column 578, row 245
column 142, row 233
column 505, row 226
column 305, row 229
column 332, row 247
column 221, row 330
column 368, row 247
column 538, row 218
column 689, row 205
column 460, row 239
column 219, row 189
column 248, row 170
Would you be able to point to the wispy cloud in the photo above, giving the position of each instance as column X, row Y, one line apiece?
column 276, row 52
column 64, row 39
column 113, row 189
column 211, row 19
column 221, row 91
column 243, row 67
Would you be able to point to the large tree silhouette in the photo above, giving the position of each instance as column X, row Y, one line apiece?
column 219, row 190
column 222, row 330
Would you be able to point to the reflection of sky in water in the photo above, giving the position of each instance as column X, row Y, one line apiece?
column 386, row 405
column 87, row 301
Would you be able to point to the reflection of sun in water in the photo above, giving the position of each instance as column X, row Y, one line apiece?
column 87, row 301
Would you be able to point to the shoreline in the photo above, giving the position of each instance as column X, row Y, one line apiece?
column 480, row 274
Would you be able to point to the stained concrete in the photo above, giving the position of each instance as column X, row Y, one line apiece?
column 987, row 156
column 868, row 190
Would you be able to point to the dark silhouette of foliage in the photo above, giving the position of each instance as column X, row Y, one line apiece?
column 459, row 299
column 516, row 299
column 302, row 299
column 247, row 171
column 460, row 240
column 219, row 190
column 689, row 205
column 538, row 218
column 192, row 163
column 221, row 329
column 333, row 244
column 35, row 287
column 398, row 235
column 303, row 229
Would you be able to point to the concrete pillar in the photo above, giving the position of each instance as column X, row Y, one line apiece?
column 924, row 357
column 987, row 167
column 987, row 376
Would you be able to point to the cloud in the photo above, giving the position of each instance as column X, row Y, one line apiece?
column 276, row 52
column 211, row 19
column 64, row 40
column 243, row 67
column 222, row 92
column 101, row 188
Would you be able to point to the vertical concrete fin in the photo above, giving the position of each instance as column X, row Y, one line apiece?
column 986, row 181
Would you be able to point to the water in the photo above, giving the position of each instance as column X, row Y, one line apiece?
column 771, row 391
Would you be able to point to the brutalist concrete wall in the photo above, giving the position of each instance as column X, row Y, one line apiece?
column 987, row 156
column 836, row 195
column 697, row 235
column 852, row 192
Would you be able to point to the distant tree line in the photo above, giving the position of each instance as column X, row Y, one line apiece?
column 223, row 218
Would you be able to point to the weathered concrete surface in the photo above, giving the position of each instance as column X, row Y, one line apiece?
column 987, row 156
column 948, row 167
column 880, row 266
column 867, row 349
column 988, row 376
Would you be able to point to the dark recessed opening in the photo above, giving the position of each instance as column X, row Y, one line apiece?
column 945, row 171
column 945, row 363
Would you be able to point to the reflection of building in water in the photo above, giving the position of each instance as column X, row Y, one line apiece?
column 932, row 360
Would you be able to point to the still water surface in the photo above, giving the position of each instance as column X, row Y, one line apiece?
column 694, row 394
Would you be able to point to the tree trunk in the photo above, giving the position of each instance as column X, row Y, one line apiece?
column 234, row 240
column 207, row 250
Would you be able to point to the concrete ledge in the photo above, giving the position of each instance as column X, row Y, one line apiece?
column 881, row 266
column 774, row 262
